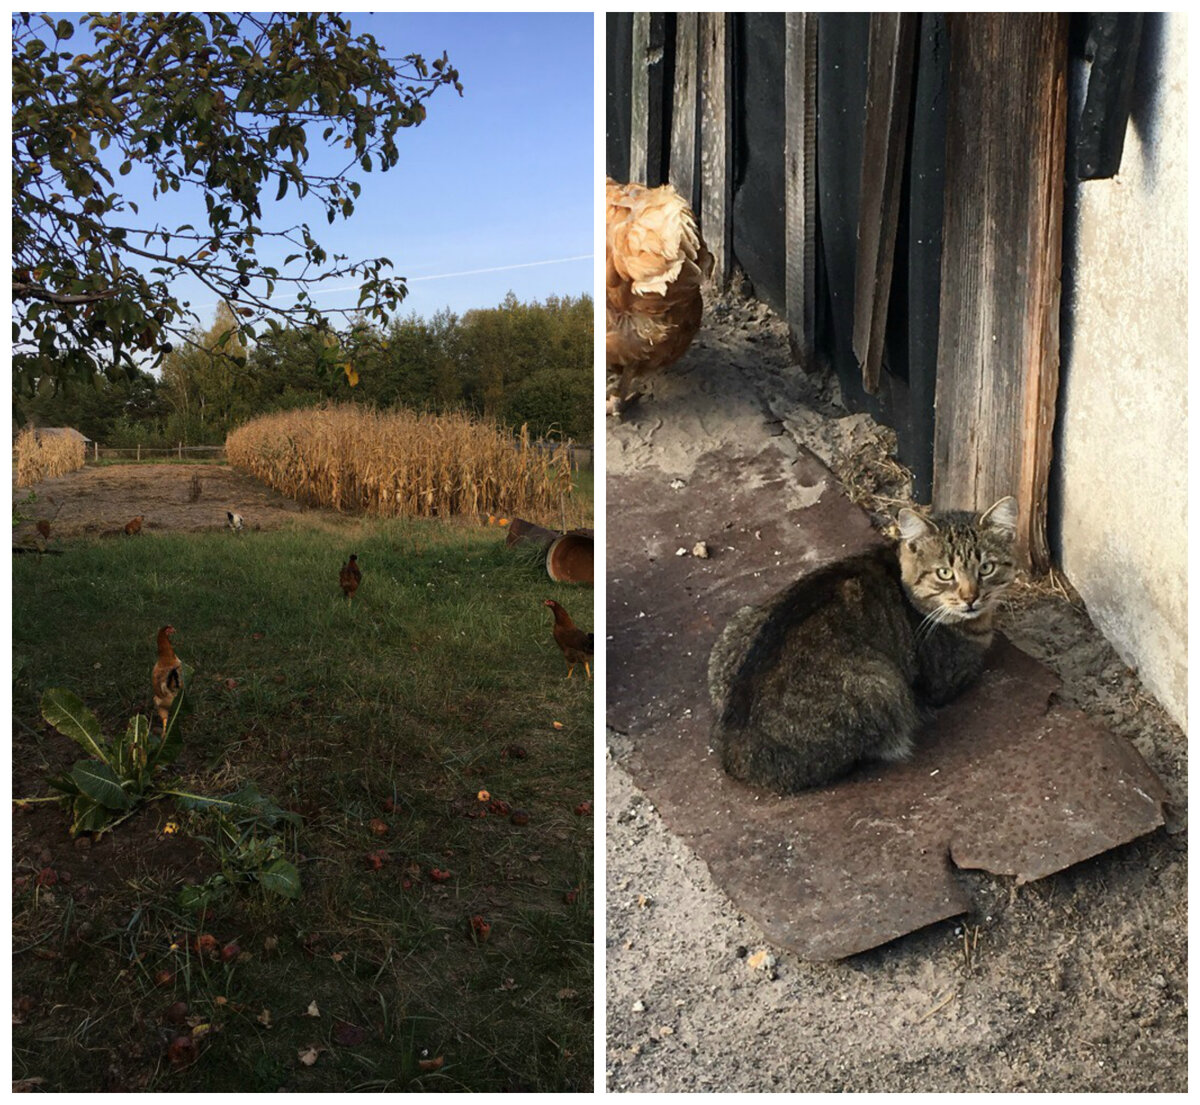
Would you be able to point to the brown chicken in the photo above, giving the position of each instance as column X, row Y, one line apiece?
column 134, row 526
column 43, row 527
column 166, row 678
column 350, row 576
column 655, row 264
column 576, row 645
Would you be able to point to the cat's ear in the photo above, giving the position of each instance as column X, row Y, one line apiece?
column 913, row 525
column 1001, row 515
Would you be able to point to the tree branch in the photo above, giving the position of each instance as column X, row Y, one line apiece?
column 22, row 290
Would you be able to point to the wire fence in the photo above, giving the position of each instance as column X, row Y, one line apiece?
column 582, row 456
column 97, row 452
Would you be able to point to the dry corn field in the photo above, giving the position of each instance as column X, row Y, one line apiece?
column 394, row 463
column 38, row 456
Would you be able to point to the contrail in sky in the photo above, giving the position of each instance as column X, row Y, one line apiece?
column 498, row 268
column 439, row 276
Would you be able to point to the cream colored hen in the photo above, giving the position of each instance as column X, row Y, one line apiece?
column 656, row 262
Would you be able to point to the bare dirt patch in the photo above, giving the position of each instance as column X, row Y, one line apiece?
column 100, row 500
column 1077, row 982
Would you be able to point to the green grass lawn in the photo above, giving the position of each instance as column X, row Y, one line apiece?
column 399, row 706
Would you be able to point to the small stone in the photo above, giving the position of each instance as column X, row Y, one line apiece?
column 681, row 552
column 700, row 549
column 639, row 1006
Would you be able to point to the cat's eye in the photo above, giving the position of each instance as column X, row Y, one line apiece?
column 945, row 574
column 986, row 568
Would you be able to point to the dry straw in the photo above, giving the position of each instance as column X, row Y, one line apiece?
column 352, row 458
column 38, row 455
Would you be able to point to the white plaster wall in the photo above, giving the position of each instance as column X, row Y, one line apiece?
column 1122, row 471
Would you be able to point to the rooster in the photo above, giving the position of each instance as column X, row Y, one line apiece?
column 576, row 645
column 166, row 678
column 350, row 576
column 655, row 264
column 134, row 526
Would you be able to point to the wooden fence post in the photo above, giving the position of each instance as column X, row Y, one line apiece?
column 998, row 345
column 646, row 98
column 682, row 172
column 891, row 61
column 716, row 145
column 139, row 456
column 800, row 183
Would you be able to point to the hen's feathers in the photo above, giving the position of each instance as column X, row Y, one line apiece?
column 165, row 679
column 576, row 645
column 655, row 264
column 350, row 576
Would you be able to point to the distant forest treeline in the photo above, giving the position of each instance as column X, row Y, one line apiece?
column 518, row 363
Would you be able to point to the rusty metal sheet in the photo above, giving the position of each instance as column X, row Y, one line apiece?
column 1001, row 781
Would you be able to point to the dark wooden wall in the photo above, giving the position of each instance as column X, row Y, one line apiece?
column 892, row 185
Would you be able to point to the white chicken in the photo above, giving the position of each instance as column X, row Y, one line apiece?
column 656, row 262
column 236, row 522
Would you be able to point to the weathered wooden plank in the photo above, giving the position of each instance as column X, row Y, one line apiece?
column 891, row 56
column 684, row 117
column 716, row 147
column 639, row 97
column 800, row 182
column 618, row 28
column 646, row 118
column 997, row 376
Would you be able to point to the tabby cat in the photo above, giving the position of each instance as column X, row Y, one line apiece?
column 843, row 667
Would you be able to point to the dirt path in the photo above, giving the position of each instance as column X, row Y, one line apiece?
column 1073, row 983
column 100, row 500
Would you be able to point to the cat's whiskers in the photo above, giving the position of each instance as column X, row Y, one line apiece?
column 930, row 623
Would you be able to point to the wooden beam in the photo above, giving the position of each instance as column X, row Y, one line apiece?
column 891, row 58
column 646, row 121
column 716, row 145
column 800, row 183
column 684, row 115
column 997, row 377
column 639, row 97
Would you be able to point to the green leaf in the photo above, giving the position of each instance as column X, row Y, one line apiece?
column 90, row 816
column 244, row 804
column 99, row 782
column 64, row 783
column 66, row 712
column 136, row 744
column 200, row 897
column 65, row 29
column 281, row 877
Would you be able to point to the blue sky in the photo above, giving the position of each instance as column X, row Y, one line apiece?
column 499, row 179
